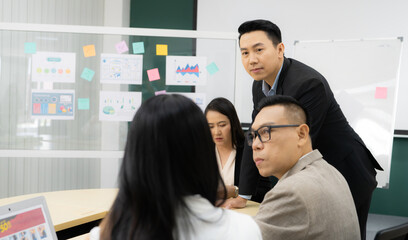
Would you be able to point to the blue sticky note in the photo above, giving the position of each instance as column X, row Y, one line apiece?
column 212, row 68
column 30, row 47
column 87, row 74
column 83, row 103
column 138, row 47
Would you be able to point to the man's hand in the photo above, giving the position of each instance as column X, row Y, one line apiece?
column 237, row 202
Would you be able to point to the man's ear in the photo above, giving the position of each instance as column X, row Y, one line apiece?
column 303, row 134
column 281, row 49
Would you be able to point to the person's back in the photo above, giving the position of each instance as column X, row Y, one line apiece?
column 209, row 223
column 169, row 179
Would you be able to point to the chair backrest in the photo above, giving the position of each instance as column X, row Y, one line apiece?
column 399, row 232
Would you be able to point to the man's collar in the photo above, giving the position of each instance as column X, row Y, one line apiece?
column 265, row 86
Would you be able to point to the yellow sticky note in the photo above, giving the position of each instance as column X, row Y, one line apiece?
column 161, row 49
column 89, row 50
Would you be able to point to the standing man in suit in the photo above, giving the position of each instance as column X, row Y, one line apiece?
column 312, row 199
column 262, row 54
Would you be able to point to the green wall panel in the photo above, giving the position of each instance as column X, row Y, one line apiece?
column 394, row 200
column 179, row 14
column 175, row 14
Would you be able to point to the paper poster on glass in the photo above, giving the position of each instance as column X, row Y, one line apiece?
column 186, row 70
column 53, row 67
column 53, row 104
column 198, row 98
column 27, row 224
column 121, row 69
column 118, row 106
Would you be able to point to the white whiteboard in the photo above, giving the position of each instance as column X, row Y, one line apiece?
column 363, row 75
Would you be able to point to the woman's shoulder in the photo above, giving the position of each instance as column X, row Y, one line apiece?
column 243, row 226
column 208, row 221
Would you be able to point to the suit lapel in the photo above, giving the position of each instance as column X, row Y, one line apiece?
column 282, row 76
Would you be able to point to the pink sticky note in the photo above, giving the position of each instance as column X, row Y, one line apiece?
column 121, row 47
column 380, row 93
column 153, row 74
column 160, row 92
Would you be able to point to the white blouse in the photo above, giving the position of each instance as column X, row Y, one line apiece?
column 227, row 172
column 212, row 223
column 207, row 222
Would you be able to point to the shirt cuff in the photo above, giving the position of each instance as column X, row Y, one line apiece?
column 247, row 197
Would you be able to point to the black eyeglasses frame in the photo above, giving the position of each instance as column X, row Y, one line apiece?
column 251, row 135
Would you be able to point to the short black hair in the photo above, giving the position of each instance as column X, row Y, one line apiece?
column 294, row 109
column 272, row 30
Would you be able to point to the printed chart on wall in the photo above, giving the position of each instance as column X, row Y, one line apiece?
column 121, row 69
column 186, row 70
column 198, row 98
column 29, row 224
column 53, row 67
column 118, row 106
column 53, row 104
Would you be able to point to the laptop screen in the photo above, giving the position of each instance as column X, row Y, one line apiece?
column 26, row 220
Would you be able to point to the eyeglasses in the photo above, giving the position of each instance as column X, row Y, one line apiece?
column 264, row 133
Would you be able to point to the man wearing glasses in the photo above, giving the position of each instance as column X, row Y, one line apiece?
column 311, row 199
column 262, row 55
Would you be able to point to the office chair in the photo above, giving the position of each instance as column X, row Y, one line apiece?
column 399, row 232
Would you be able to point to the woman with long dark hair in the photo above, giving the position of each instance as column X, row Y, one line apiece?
column 169, row 179
column 229, row 140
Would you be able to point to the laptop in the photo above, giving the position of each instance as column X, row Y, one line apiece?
column 26, row 220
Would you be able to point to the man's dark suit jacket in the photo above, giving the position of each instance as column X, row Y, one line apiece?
column 330, row 132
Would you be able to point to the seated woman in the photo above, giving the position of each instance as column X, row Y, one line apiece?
column 229, row 141
column 169, row 178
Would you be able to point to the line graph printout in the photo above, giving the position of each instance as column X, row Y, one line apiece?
column 118, row 106
column 53, row 67
column 186, row 70
column 121, row 69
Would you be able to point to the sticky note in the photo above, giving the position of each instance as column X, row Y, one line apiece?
column 380, row 93
column 161, row 49
column 87, row 74
column 83, row 103
column 160, row 92
column 153, row 74
column 212, row 68
column 138, row 47
column 89, row 50
column 30, row 47
column 121, row 47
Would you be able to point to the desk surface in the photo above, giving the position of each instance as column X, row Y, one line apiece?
column 251, row 208
column 75, row 207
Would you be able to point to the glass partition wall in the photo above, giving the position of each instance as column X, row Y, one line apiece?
column 68, row 94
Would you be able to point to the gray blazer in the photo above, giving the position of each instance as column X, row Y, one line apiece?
column 311, row 201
